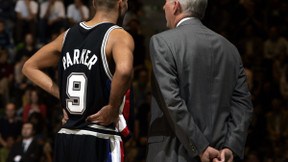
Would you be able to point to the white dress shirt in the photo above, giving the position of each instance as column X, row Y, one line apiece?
column 74, row 13
column 57, row 10
column 27, row 143
column 182, row 20
column 23, row 10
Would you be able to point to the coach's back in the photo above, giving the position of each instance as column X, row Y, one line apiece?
column 194, row 76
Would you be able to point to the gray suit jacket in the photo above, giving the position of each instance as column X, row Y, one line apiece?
column 200, row 96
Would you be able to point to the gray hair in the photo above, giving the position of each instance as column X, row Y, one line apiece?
column 195, row 8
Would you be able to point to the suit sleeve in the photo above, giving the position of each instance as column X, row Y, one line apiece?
column 167, row 93
column 240, row 115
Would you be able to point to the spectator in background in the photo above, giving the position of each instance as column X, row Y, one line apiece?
column 141, row 128
column 27, row 11
column 7, row 14
column 9, row 125
column 257, row 132
column 20, row 79
column 4, row 151
column 252, row 16
column 28, row 149
column 277, row 120
column 249, row 75
column 134, row 12
column 283, row 17
column 39, row 126
column 251, row 45
column 274, row 44
column 77, row 12
column 20, row 82
column 29, row 48
column 5, row 9
column 52, row 16
column 25, row 100
column 280, row 66
column 283, row 87
column 6, row 77
column 139, row 52
column 252, row 157
column 68, row 2
column 141, row 87
column 4, row 36
column 34, row 106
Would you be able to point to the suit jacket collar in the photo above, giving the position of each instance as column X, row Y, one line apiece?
column 192, row 21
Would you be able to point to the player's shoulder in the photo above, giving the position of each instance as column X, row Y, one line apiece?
column 119, row 34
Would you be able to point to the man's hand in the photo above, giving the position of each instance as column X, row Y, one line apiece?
column 226, row 155
column 209, row 154
column 65, row 117
column 105, row 116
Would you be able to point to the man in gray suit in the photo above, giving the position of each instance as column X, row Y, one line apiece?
column 201, row 106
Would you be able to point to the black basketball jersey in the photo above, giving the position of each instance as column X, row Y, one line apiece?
column 84, row 75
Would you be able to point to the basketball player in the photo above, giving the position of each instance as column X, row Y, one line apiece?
column 87, row 55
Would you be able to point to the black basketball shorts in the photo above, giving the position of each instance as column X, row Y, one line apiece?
column 94, row 144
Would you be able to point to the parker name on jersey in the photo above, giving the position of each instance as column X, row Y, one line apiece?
column 86, row 58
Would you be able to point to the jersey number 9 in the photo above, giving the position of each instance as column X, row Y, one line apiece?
column 76, row 92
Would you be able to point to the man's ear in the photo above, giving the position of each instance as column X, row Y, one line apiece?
column 177, row 7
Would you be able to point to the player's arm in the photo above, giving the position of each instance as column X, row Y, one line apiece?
column 122, row 53
column 47, row 56
column 122, row 46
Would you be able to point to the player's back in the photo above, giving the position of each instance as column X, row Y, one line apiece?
column 83, row 72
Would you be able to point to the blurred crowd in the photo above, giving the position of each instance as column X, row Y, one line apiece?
column 258, row 28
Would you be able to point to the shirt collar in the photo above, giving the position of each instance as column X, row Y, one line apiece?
column 182, row 20
column 27, row 141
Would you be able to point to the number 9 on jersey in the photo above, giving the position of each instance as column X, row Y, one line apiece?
column 76, row 93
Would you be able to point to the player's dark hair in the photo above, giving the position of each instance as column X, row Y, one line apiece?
column 108, row 4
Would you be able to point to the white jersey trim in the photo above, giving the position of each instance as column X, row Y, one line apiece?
column 64, row 38
column 103, row 51
column 83, row 25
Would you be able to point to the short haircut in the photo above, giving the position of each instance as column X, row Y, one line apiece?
column 108, row 4
column 195, row 8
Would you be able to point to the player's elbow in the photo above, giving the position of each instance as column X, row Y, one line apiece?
column 125, row 72
column 26, row 68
